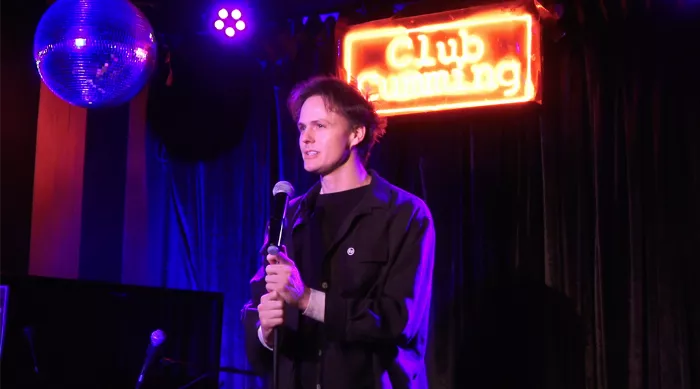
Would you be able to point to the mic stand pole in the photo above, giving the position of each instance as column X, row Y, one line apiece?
column 275, row 333
column 281, row 193
column 275, row 358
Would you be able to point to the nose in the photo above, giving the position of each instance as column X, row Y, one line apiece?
column 306, row 137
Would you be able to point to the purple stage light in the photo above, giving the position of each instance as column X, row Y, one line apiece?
column 230, row 21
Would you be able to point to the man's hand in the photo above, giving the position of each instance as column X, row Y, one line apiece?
column 283, row 277
column 271, row 314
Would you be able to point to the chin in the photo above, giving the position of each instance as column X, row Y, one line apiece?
column 317, row 169
column 312, row 168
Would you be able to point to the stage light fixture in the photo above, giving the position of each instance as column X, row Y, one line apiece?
column 230, row 21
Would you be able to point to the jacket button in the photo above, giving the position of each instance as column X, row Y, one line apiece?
column 324, row 285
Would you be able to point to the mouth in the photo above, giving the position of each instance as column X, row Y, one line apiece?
column 310, row 153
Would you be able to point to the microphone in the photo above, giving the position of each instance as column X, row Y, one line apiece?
column 281, row 193
column 154, row 348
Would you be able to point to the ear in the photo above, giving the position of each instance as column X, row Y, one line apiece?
column 357, row 135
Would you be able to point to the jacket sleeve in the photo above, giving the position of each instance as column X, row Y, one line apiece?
column 398, row 314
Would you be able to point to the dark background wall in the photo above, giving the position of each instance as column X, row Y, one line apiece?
column 20, row 105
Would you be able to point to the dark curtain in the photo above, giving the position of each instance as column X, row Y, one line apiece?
column 567, row 233
column 208, row 219
column 575, row 259
column 18, row 130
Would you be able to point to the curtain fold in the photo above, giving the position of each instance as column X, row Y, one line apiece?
column 643, row 206
column 212, row 224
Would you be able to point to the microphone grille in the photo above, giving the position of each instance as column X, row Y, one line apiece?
column 157, row 337
column 283, row 187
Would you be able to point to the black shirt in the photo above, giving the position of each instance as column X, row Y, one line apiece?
column 330, row 212
column 333, row 208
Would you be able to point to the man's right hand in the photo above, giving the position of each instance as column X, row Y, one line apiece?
column 271, row 314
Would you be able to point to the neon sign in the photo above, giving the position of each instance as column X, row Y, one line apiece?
column 445, row 61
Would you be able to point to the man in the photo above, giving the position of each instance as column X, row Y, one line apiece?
column 350, row 293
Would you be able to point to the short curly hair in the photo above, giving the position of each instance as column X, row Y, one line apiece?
column 346, row 100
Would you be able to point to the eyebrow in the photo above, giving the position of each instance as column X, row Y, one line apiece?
column 315, row 121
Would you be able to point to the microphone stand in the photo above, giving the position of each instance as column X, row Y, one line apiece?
column 275, row 360
column 274, row 250
column 281, row 193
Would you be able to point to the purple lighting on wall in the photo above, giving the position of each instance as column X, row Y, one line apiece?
column 4, row 297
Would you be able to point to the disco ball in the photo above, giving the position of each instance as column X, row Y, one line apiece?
column 94, row 53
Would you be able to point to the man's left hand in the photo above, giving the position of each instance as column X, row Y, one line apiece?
column 283, row 277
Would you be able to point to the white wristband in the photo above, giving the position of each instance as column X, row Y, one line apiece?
column 317, row 306
column 262, row 339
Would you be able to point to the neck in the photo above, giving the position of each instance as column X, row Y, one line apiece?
column 352, row 174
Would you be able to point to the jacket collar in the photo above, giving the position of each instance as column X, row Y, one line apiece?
column 378, row 196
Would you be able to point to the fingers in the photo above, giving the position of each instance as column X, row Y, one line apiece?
column 279, row 258
column 271, row 319
column 272, row 296
column 271, row 310
column 272, row 259
column 271, row 322
column 273, row 288
column 275, row 281
column 278, row 278
column 281, row 289
column 270, row 305
column 274, row 254
column 284, row 258
column 278, row 269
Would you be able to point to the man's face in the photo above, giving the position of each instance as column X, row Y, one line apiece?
column 325, row 137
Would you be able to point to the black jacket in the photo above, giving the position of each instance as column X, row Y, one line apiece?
column 378, row 293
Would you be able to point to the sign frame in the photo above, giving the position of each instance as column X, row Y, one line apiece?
column 399, row 85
